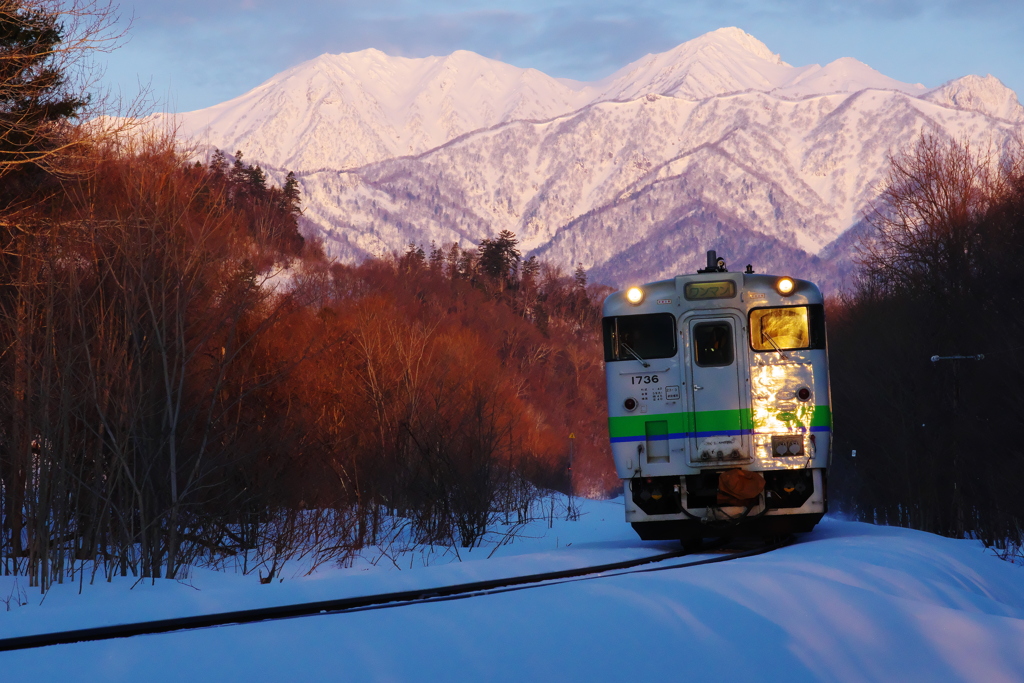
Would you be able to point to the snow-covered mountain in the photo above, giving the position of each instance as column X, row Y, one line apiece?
column 344, row 111
column 985, row 95
column 717, row 143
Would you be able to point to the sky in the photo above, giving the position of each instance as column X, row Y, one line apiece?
column 192, row 54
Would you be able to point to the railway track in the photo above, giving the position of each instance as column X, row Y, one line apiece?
column 374, row 602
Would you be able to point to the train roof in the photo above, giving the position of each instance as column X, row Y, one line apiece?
column 713, row 291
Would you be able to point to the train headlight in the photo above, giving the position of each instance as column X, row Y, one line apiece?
column 634, row 295
column 785, row 286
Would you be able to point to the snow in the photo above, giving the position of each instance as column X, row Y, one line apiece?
column 718, row 131
column 347, row 110
column 844, row 75
column 987, row 95
column 849, row 602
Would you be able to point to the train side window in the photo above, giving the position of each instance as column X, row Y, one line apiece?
column 787, row 328
column 648, row 336
column 712, row 344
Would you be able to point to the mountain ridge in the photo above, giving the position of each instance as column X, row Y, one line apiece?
column 396, row 106
column 392, row 150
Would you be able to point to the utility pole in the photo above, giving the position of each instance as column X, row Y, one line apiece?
column 958, row 504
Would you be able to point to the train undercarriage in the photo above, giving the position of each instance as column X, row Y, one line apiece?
column 692, row 506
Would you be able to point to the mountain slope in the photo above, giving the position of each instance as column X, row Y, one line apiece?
column 718, row 135
column 591, row 186
column 985, row 95
column 344, row 111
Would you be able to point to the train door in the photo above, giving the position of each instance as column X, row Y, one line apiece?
column 721, row 429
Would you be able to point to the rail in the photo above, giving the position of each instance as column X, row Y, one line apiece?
column 370, row 602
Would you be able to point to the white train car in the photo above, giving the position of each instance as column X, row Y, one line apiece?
column 718, row 403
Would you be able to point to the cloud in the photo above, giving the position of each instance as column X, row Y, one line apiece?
column 212, row 50
column 571, row 39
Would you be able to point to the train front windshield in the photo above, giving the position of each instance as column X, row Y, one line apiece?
column 648, row 336
column 787, row 328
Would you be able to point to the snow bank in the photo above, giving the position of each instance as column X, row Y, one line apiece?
column 850, row 602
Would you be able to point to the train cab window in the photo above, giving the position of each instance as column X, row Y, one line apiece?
column 627, row 337
column 787, row 328
column 712, row 344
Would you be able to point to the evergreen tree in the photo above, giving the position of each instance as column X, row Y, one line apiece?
column 580, row 277
column 531, row 267
column 35, row 97
column 219, row 163
column 414, row 257
column 291, row 194
column 499, row 259
column 257, row 180
column 436, row 256
column 452, row 260
column 239, row 175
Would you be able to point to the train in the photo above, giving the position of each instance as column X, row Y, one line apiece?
column 719, row 408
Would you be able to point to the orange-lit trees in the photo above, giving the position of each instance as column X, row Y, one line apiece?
column 133, row 321
column 180, row 378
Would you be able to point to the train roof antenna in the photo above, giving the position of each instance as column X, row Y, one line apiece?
column 715, row 264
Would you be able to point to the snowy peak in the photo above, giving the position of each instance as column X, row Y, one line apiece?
column 717, row 138
column 484, row 90
column 986, row 95
column 738, row 38
column 347, row 110
column 730, row 60
column 844, row 75
column 716, row 63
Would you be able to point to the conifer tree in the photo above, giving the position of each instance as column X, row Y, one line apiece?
column 291, row 194
column 41, row 44
column 257, row 180
column 580, row 277
column 219, row 163
column 499, row 258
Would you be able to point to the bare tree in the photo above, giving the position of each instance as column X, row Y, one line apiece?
column 927, row 218
column 938, row 279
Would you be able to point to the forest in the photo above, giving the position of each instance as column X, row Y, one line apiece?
column 927, row 350
column 186, row 379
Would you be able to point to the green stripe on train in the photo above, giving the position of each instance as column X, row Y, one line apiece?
column 635, row 425
column 723, row 420
column 709, row 421
column 822, row 417
column 680, row 423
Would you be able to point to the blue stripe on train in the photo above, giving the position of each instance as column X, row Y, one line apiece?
column 699, row 435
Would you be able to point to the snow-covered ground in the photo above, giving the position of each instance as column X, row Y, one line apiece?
column 849, row 602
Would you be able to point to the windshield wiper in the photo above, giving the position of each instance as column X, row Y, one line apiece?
column 634, row 354
column 776, row 346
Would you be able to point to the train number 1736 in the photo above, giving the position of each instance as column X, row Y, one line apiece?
column 644, row 379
